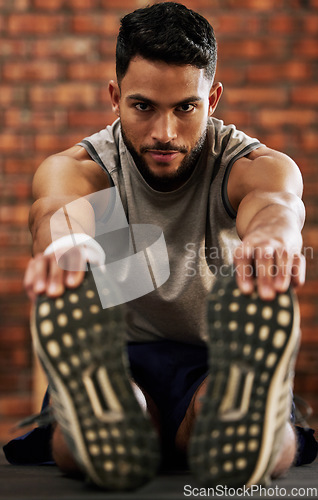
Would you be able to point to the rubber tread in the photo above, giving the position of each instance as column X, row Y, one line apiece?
column 76, row 340
column 252, row 347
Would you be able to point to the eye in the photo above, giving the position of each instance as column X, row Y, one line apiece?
column 186, row 108
column 142, row 106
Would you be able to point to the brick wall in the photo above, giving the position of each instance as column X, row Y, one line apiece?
column 56, row 57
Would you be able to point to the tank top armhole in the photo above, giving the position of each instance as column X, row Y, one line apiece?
column 96, row 158
column 226, row 202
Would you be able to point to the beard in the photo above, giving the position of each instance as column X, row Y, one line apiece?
column 173, row 180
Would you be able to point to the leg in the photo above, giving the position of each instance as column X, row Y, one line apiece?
column 62, row 455
column 240, row 428
column 285, row 458
column 83, row 351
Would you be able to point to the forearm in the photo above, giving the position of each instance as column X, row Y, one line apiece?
column 48, row 224
column 272, row 216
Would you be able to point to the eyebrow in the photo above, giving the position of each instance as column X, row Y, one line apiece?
column 140, row 97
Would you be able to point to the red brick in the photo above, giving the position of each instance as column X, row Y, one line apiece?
column 69, row 4
column 309, row 140
column 39, row 70
column 53, row 143
column 228, row 74
column 17, row 189
column 242, row 119
column 67, row 94
column 252, row 49
column 48, row 4
column 99, row 71
column 307, row 359
column 68, row 48
column 282, row 24
column 287, row 117
column 10, row 95
column 258, row 5
column 13, row 48
column 307, row 48
column 106, row 24
column 107, row 48
column 13, row 335
column 14, row 166
column 17, row 214
column 255, row 95
column 264, row 44
column 10, row 142
column 14, row 5
column 310, row 24
column 305, row 95
column 17, row 236
column 83, row 4
column 273, row 139
column 37, row 120
column 130, row 5
column 11, row 286
column 15, row 405
column 271, row 72
column 87, row 118
column 35, row 23
column 305, row 383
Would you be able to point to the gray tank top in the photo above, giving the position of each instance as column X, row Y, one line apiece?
column 197, row 221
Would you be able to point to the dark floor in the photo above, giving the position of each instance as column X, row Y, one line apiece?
column 46, row 482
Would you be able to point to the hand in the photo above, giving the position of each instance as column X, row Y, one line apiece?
column 267, row 263
column 43, row 274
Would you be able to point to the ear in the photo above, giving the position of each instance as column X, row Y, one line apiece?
column 214, row 97
column 114, row 92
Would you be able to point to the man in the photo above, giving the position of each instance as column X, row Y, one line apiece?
column 219, row 392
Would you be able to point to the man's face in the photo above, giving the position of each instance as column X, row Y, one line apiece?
column 164, row 110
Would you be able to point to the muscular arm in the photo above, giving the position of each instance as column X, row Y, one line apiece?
column 60, row 180
column 266, row 190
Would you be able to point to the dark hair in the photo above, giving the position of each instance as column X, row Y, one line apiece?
column 168, row 32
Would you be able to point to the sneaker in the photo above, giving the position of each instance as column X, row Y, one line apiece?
column 252, row 350
column 82, row 349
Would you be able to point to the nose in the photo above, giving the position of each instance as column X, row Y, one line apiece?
column 164, row 128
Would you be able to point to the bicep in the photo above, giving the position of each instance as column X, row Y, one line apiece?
column 263, row 170
column 61, row 187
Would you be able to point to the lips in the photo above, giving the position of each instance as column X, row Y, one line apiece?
column 163, row 156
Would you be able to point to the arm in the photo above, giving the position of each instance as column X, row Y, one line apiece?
column 60, row 179
column 266, row 189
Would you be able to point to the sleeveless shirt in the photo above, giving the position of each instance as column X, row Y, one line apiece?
column 197, row 221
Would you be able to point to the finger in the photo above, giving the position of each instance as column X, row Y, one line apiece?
column 283, row 270
column 243, row 260
column 298, row 271
column 265, row 272
column 40, row 270
column 74, row 262
column 55, row 285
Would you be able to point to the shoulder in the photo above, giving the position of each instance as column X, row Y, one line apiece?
column 263, row 169
column 227, row 141
column 70, row 172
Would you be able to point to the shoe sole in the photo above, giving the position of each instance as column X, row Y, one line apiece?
column 252, row 346
column 82, row 350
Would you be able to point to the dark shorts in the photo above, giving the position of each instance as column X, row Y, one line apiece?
column 170, row 372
